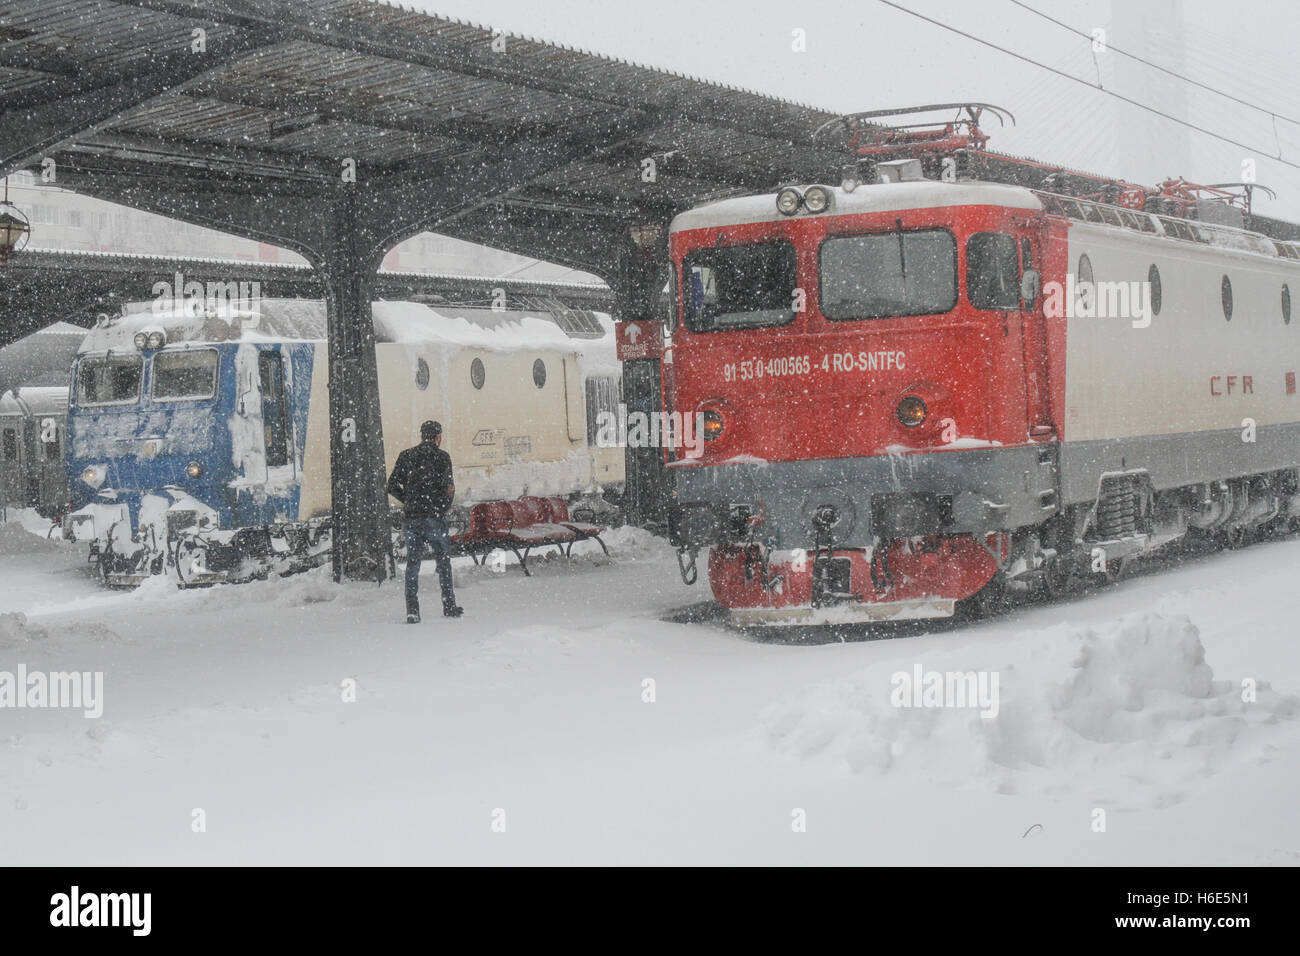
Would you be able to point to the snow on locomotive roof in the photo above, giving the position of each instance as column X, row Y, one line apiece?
column 876, row 197
column 61, row 328
column 278, row 320
column 42, row 400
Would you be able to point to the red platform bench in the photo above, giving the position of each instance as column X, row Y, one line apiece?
column 521, row 527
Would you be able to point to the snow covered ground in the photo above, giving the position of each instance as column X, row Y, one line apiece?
column 522, row 733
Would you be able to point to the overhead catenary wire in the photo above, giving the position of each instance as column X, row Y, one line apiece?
column 1119, row 96
column 1156, row 66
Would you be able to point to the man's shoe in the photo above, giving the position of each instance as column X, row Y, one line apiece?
column 413, row 617
column 452, row 610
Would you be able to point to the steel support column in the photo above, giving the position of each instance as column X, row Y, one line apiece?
column 637, row 288
column 361, row 540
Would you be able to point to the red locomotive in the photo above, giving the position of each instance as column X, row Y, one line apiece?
column 958, row 372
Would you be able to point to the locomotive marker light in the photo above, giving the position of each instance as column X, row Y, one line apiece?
column 712, row 424
column 817, row 199
column 788, row 201
column 911, row 411
column 194, row 470
column 149, row 340
column 93, row 476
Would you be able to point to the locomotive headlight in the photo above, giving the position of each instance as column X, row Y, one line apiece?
column 93, row 476
column 911, row 411
column 817, row 199
column 141, row 340
column 788, row 201
column 712, row 424
column 157, row 340
column 194, row 470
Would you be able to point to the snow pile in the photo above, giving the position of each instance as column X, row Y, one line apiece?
column 627, row 543
column 1152, row 671
column 302, row 590
column 15, row 539
column 514, row 479
column 16, row 632
column 158, row 588
column 1137, row 702
column 29, row 519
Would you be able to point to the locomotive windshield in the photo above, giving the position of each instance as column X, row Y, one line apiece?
column 109, row 379
column 882, row 274
column 739, row 287
column 191, row 374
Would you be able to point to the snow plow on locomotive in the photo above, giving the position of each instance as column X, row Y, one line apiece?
column 197, row 441
column 959, row 373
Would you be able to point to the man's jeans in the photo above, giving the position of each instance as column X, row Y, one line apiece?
column 431, row 531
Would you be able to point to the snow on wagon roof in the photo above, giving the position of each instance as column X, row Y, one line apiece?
column 43, row 400
column 277, row 320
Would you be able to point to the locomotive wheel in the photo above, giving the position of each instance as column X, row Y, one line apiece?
column 1235, row 538
column 1116, row 571
column 1059, row 578
column 987, row 601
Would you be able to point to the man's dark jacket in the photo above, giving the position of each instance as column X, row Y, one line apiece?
column 420, row 480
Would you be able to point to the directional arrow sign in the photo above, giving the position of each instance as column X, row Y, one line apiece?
column 636, row 341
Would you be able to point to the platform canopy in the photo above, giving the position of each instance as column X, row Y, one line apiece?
column 526, row 146
column 42, row 286
column 339, row 128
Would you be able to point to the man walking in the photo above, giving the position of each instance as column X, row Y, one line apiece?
column 422, row 482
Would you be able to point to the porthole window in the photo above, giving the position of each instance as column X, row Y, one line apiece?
column 1286, row 304
column 539, row 373
column 1155, row 291
column 1083, row 287
column 477, row 374
column 421, row 374
column 1226, row 293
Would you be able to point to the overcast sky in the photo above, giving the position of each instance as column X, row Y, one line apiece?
column 861, row 54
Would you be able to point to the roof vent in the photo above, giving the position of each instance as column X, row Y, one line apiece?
column 901, row 171
column 1219, row 213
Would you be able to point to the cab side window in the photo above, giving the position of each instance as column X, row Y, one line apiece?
column 993, row 271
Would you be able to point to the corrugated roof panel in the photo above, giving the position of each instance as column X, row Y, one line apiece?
column 400, row 89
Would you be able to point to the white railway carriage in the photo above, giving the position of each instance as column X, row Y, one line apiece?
column 1195, row 380
column 31, row 449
